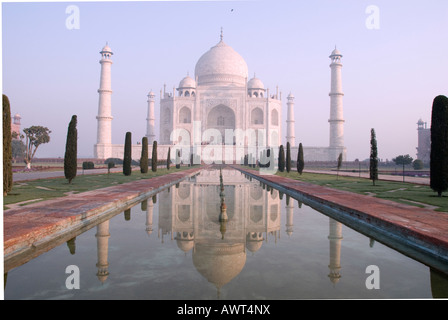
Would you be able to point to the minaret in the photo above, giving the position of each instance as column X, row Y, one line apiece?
column 102, row 148
column 336, row 110
column 290, row 123
column 150, row 128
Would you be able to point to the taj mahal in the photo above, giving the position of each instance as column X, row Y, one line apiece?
column 219, row 114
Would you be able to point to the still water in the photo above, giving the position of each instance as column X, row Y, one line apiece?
column 174, row 246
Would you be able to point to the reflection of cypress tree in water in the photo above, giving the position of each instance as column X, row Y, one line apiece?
column 71, row 245
column 144, row 205
column 127, row 215
column 439, row 284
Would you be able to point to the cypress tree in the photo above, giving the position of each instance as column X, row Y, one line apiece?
column 373, row 157
column 71, row 150
column 439, row 145
column 144, row 158
column 168, row 159
column 7, row 147
column 177, row 159
column 339, row 164
column 288, row 157
column 127, row 155
column 281, row 159
column 154, row 157
column 300, row 161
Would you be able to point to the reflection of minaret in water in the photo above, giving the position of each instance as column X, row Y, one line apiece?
column 289, row 218
column 149, row 212
column 102, row 240
column 335, row 238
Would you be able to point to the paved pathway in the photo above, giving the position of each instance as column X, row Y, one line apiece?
column 34, row 175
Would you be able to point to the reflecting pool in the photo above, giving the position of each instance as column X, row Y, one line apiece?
column 239, row 239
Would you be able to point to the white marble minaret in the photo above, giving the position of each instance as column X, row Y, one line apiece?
column 102, row 149
column 150, row 129
column 336, row 110
column 290, row 123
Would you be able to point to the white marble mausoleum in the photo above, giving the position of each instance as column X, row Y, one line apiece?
column 220, row 114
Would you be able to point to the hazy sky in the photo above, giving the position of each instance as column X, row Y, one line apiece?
column 390, row 75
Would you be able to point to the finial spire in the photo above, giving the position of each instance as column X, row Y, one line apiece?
column 222, row 36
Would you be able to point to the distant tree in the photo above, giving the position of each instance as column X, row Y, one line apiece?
column 168, row 159
column 418, row 164
column 439, row 145
column 339, row 164
column 18, row 149
column 403, row 160
column 373, row 157
column 35, row 136
column 288, row 157
column 281, row 159
column 110, row 165
column 154, row 157
column 300, row 161
column 127, row 159
column 7, row 148
column 144, row 160
column 71, row 151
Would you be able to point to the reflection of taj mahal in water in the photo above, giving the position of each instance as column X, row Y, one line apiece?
column 190, row 215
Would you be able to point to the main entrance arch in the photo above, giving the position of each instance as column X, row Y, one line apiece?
column 221, row 118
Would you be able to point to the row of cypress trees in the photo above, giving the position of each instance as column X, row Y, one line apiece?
column 284, row 160
column 144, row 159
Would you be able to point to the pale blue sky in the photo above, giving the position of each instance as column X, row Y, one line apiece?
column 390, row 75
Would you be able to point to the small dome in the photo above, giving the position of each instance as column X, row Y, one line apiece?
column 255, row 83
column 187, row 82
column 185, row 245
column 336, row 52
column 106, row 48
column 290, row 96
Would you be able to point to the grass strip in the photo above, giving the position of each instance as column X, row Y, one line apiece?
column 402, row 192
column 44, row 189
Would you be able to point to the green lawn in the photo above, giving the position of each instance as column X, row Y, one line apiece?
column 43, row 189
column 408, row 193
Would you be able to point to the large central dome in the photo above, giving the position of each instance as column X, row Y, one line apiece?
column 221, row 65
